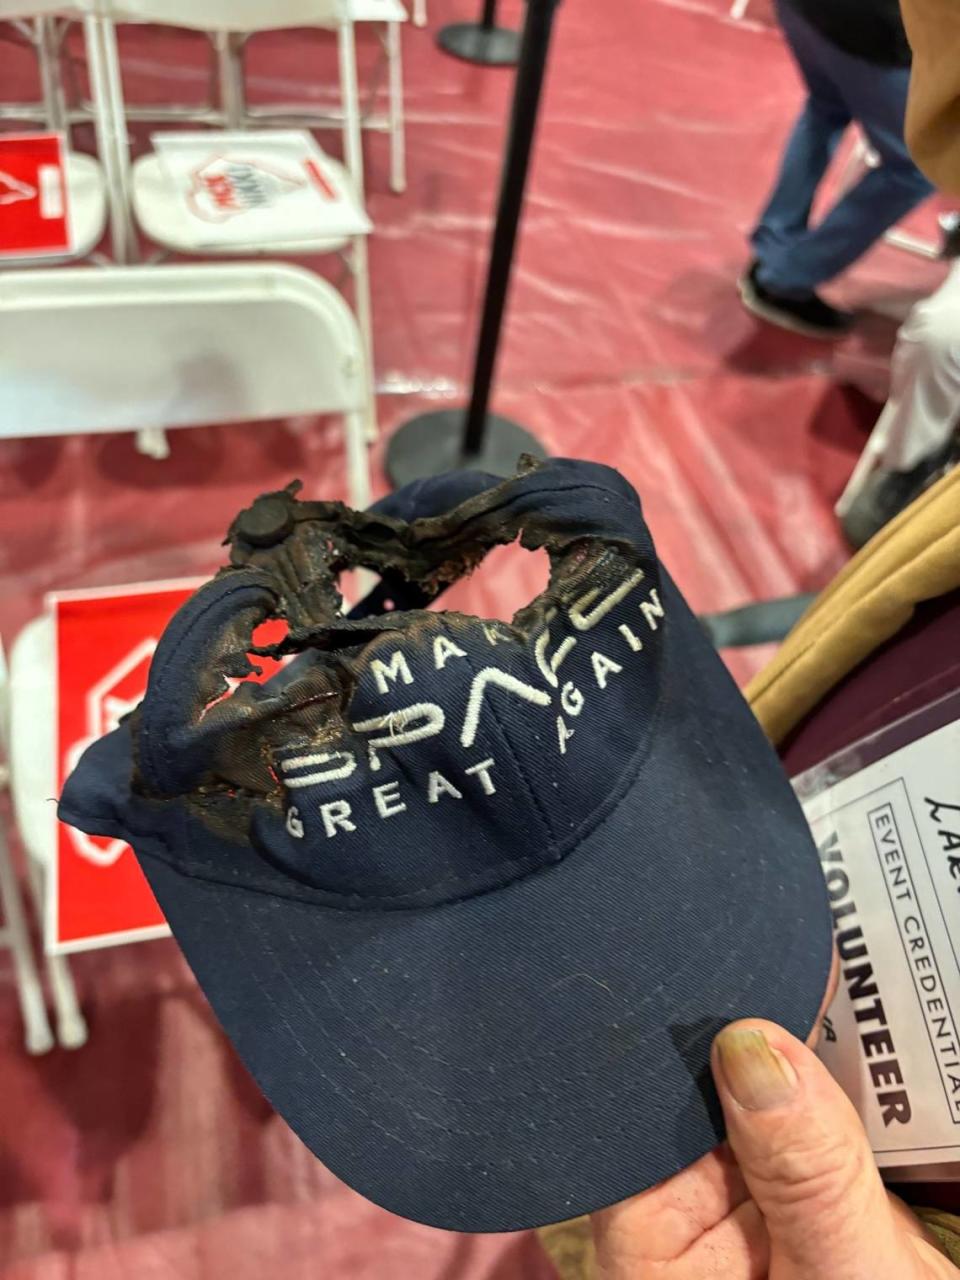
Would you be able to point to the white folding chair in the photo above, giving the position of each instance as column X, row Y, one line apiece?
column 14, row 933
column 157, row 206
column 153, row 347
column 87, row 186
column 232, row 111
column 388, row 16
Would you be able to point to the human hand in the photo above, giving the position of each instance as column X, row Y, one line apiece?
column 794, row 1194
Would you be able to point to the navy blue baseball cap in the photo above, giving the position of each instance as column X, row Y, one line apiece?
column 471, row 898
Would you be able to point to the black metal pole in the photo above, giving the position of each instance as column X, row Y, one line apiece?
column 481, row 42
column 447, row 438
column 523, row 126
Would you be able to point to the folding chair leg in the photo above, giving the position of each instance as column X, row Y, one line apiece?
column 361, row 293
column 398, row 157
column 111, row 129
column 71, row 1024
column 352, row 141
column 860, row 158
column 48, row 55
column 358, row 461
column 152, row 442
column 420, row 13
column 38, row 1036
column 232, row 96
column 913, row 244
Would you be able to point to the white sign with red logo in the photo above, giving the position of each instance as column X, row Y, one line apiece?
column 269, row 187
column 96, row 894
column 34, row 209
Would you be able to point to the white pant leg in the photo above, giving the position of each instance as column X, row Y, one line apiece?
column 923, row 407
column 924, row 403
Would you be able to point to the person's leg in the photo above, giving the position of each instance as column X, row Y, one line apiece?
column 808, row 153
column 876, row 97
column 913, row 433
column 811, row 144
column 924, row 402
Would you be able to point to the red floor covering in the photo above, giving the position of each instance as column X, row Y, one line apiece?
column 149, row 1153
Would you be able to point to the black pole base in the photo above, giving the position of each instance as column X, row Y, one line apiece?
column 473, row 42
column 432, row 443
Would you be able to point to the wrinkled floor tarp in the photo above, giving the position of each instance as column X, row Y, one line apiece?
column 149, row 1153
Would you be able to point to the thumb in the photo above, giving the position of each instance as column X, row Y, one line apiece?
column 805, row 1158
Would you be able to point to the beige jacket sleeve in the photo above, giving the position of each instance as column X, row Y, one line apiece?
column 915, row 557
column 933, row 112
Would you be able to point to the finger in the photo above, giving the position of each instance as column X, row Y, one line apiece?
column 661, row 1223
column 738, row 1248
column 805, row 1157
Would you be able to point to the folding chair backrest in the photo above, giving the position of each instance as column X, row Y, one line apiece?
column 201, row 343
column 239, row 16
column 229, row 15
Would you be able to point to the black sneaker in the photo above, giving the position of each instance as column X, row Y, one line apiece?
column 810, row 316
column 949, row 235
column 886, row 493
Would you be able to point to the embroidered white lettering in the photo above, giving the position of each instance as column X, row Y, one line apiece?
column 571, row 699
column 387, row 799
column 635, row 643
column 398, row 733
column 564, row 734
column 494, row 634
column 602, row 666
column 439, row 786
column 395, row 669
column 336, row 815
column 294, row 825
column 338, row 764
column 652, row 609
column 548, row 667
column 482, row 770
column 444, row 649
column 491, row 675
column 587, row 621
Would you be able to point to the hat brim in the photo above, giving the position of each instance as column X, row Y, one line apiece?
column 542, row 1050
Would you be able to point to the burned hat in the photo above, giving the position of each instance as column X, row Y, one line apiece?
column 471, row 898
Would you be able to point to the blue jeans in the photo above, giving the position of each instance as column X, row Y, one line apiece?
column 793, row 257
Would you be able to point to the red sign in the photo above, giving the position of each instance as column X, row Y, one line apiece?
column 34, row 212
column 105, row 642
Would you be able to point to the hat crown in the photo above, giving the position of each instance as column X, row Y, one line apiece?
column 415, row 757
